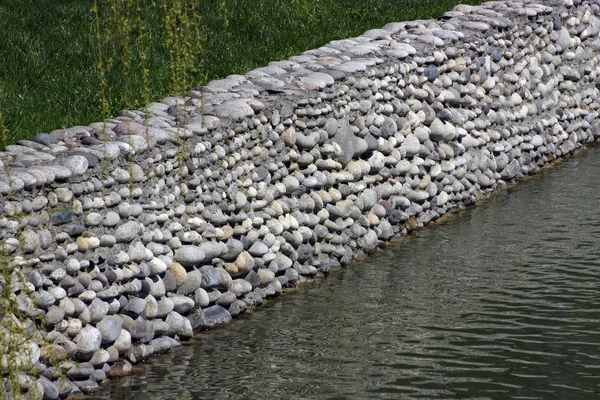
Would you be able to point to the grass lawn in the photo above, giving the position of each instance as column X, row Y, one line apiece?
column 48, row 50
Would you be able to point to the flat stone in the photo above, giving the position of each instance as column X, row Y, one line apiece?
column 258, row 249
column 164, row 344
column 76, row 164
column 189, row 255
column 318, row 79
column 45, row 139
column 211, row 317
column 182, row 304
column 236, row 110
column 213, row 249
column 81, row 371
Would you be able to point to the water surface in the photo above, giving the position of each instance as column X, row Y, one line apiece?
column 502, row 302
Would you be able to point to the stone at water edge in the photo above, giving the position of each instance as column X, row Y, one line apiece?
column 210, row 317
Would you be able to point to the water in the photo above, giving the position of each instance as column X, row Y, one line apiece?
column 502, row 302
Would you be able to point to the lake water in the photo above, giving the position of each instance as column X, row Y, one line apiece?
column 501, row 302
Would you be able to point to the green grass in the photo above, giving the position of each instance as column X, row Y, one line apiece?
column 48, row 51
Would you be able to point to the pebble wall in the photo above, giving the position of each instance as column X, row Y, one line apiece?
column 134, row 233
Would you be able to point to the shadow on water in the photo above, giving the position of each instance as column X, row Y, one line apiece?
column 499, row 303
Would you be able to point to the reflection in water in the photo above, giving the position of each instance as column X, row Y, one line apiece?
column 500, row 303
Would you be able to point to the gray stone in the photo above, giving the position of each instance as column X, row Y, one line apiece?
column 121, row 175
column 135, row 307
column 123, row 342
column 87, row 386
column 138, row 252
column 213, row 249
column 126, row 232
column 45, row 238
column 234, row 248
column 307, row 141
column 240, row 287
column 144, row 330
column 43, row 299
column 45, row 139
column 175, row 322
column 182, row 304
column 120, row 369
column 50, row 391
column 351, row 146
column 100, row 358
column 258, row 249
column 243, row 263
column 81, row 371
column 54, row 315
column 192, row 283
column 98, row 310
column 110, row 329
column 88, row 341
column 266, row 276
column 511, row 170
column 431, row 73
column 111, row 219
column 564, row 39
column 438, row 131
column 411, row 146
column 61, row 217
column 157, row 266
column 253, row 278
column 164, row 306
column 388, row 128
column 93, row 219
column 189, row 255
column 212, row 317
column 164, row 344
column 317, row 79
column 201, row 298
column 29, row 241
column 236, row 110
column 537, row 140
column 369, row 242
column 139, row 352
column 77, row 164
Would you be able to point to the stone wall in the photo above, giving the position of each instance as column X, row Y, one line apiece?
column 134, row 233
